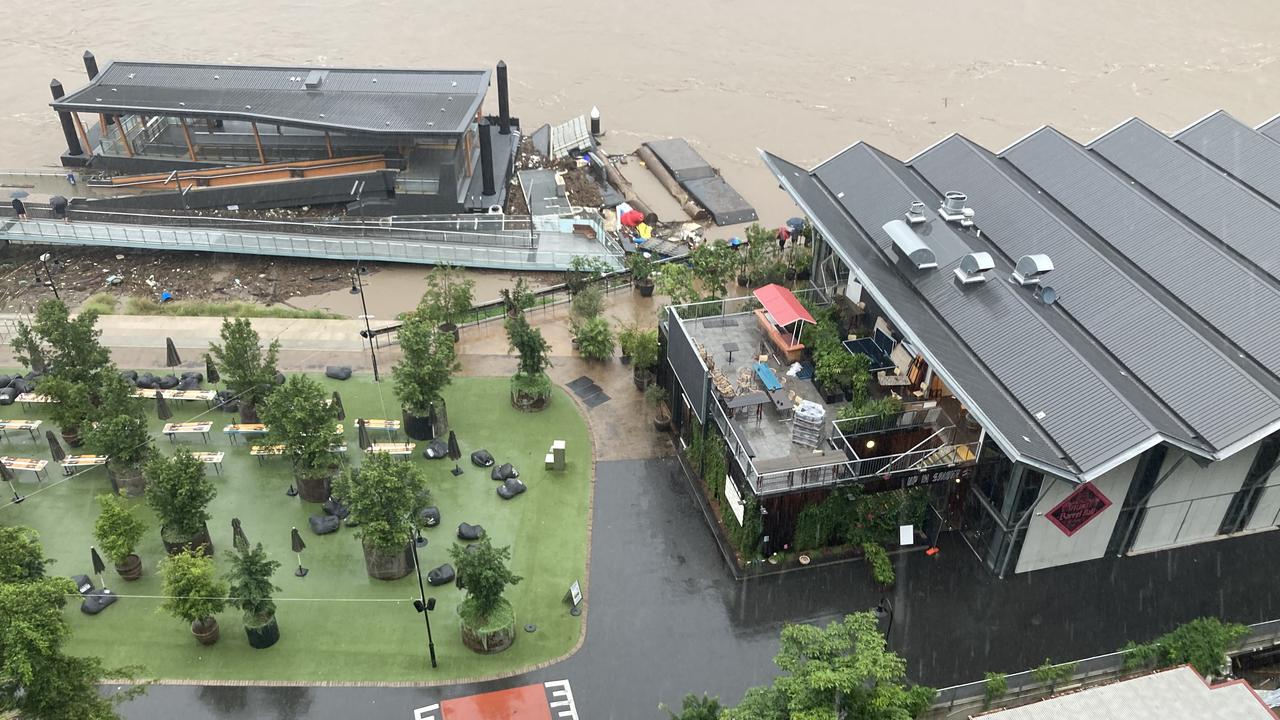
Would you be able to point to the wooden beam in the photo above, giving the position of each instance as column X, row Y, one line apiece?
column 84, row 136
column 124, row 135
column 262, row 157
column 186, row 133
column 328, row 143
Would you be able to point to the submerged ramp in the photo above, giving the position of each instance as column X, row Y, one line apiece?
column 702, row 182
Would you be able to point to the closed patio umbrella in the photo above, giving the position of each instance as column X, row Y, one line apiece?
column 55, row 447
column 162, row 407
column 238, row 538
column 210, row 371
column 364, row 434
column 7, row 475
column 99, row 567
column 171, row 358
column 455, row 452
column 298, row 547
column 338, row 410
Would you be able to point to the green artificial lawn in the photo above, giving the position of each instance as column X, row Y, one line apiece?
column 337, row 624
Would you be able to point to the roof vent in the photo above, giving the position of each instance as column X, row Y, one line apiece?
column 953, row 208
column 915, row 213
column 973, row 267
column 314, row 79
column 909, row 245
column 1030, row 269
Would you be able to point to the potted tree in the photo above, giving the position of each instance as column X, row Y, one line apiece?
column 583, row 271
column 121, row 434
column 300, row 417
column 656, row 395
column 251, row 590
column 447, row 299
column 179, row 493
column 247, row 370
column 752, row 258
column 383, row 497
column 713, row 264
column 425, row 368
column 118, row 533
column 644, row 357
column 627, row 333
column 72, row 408
column 488, row 620
column 530, row 386
column 517, row 299
column 641, row 266
column 595, row 339
column 193, row 592
column 73, row 360
column 798, row 260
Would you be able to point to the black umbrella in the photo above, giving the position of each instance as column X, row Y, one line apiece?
column 7, row 475
column 58, row 204
column 99, row 567
column 340, row 411
column 19, row 194
column 210, row 372
column 238, row 538
column 364, row 434
column 171, row 358
column 431, row 422
column 298, row 547
column 55, row 447
column 162, row 407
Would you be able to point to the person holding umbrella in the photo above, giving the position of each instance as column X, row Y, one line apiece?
column 58, row 205
column 19, row 208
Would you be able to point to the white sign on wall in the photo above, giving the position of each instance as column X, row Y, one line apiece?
column 734, row 499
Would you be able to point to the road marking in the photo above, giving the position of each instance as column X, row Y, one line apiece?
column 422, row 712
column 560, row 689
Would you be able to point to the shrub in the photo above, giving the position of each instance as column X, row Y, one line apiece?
column 179, row 493
column 246, row 369
column 301, row 418
column 118, row 532
column 1052, row 675
column 583, row 271
column 123, row 438
column 713, row 263
column 251, row 585
column 21, row 557
column 209, row 308
column 645, row 349
column 588, row 304
column 1202, row 643
column 102, row 303
column 995, row 688
column 485, row 577
column 533, row 386
column 881, row 565
column 519, row 298
column 384, row 496
column 595, row 339
column 191, row 587
column 448, row 297
column 528, row 342
column 640, row 265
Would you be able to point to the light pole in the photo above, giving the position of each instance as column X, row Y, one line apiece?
column 357, row 288
column 44, row 261
column 423, row 604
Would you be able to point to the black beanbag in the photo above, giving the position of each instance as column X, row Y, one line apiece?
column 199, row 376
column 5, row 381
column 95, row 601
column 324, row 524
column 429, row 516
column 436, row 449
column 511, row 488
column 338, row 372
column 467, row 531
column 336, row 508
column 188, row 383
column 481, row 458
column 21, row 386
column 442, row 575
column 7, row 395
column 129, row 374
column 168, row 382
column 279, row 378
column 147, row 381
column 504, row 472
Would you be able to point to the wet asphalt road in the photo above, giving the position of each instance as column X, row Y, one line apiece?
column 667, row 617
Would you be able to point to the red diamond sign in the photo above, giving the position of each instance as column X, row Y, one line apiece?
column 1077, row 509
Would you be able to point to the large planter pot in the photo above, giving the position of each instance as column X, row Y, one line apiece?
column 641, row 378
column 662, row 419
column 450, row 329
column 127, row 479
column 744, row 281
column 313, row 486
column 419, row 427
column 645, row 287
column 524, row 402
column 130, row 569
column 71, row 437
column 205, row 631
column 201, row 540
column 382, row 565
column 264, row 635
column 490, row 640
column 248, row 412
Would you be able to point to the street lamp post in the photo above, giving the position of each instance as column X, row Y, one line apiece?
column 357, row 288
column 423, row 604
column 44, row 261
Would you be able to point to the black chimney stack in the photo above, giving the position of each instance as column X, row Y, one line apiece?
column 68, row 128
column 91, row 69
column 504, row 102
column 486, row 159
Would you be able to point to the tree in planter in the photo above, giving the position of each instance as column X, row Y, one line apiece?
column 21, row 556
column 251, row 590
column 656, row 395
column 583, row 271
column 838, row 372
column 179, row 493
column 247, row 370
column 72, row 408
column 193, row 592
column 488, row 620
column 644, row 356
column 677, row 282
column 300, row 417
column 595, row 339
column 518, row 299
column 840, row 671
column 530, row 386
column 118, row 533
column 67, row 347
column 121, row 434
column 447, row 299
column 587, row 304
column 641, row 266
column 384, row 496
column 713, row 263
column 798, row 259
column 425, row 368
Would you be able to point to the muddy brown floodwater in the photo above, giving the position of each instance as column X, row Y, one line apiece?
column 803, row 79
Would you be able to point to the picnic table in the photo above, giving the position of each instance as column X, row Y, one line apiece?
column 28, row 399
column 235, row 429
column 207, row 396
column 29, row 425
column 187, row 428
column 72, row 462
column 261, row 451
column 29, row 464
column 390, row 426
column 403, row 449
column 210, row 458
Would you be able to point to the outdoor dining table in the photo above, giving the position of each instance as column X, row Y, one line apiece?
column 29, row 425
column 187, row 428
column 207, row 396
column 28, row 399
column 261, row 451
column 391, row 426
column 401, row 449
column 235, row 429
column 29, row 464
column 210, row 458
column 71, row 462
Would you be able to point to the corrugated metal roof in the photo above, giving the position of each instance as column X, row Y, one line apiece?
column 1002, row 323
column 1109, row 300
column 1233, row 213
column 1238, row 149
column 1225, row 292
column 418, row 102
column 1005, row 418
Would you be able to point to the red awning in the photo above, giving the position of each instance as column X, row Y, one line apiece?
column 782, row 305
